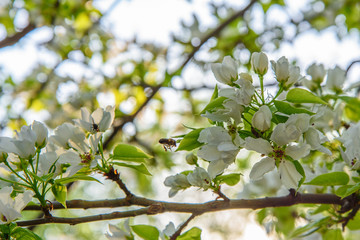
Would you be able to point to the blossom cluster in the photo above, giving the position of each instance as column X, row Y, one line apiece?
column 245, row 117
column 32, row 156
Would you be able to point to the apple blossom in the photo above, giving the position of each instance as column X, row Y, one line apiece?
column 335, row 79
column 312, row 137
column 259, row 62
column 176, row 183
column 262, row 118
column 317, row 72
column 41, row 134
column 225, row 72
column 199, row 178
column 219, row 150
column 99, row 121
column 11, row 208
column 281, row 69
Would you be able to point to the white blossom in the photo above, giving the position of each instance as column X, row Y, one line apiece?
column 99, row 121
column 41, row 133
column 225, row 72
column 115, row 233
column 312, row 137
column 317, row 72
column 259, row 62
column 11, row 208
column 335, row 79
column 260, row 168
column 199, row 178
column 176, row 183
column 289, row 176
column 259, row 145
column 351, row 141
column 68, row 135
column 262, row 118
column 219, row 150
column 281, row 69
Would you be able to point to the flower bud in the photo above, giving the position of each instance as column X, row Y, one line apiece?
column 191, row 159
column 41, row 134
column 262, row 118
column 281, row 69
column 317, row 72
column 259, row 62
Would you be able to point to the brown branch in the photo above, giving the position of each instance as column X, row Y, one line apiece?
column 77, row 220
column 197, row 208
column 178, row 232
column 152, row 207
column 9, row 41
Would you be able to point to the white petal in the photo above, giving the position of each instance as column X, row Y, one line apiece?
column 209, row 153
column 258, row 144
column 216, row 167
column 260, row 168
column 290, row 177
column 298, row 151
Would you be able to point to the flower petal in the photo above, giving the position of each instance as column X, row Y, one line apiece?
column 260, row 168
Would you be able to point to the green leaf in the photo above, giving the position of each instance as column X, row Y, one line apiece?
column 141, row 167
column 229, row 179
column 298, row 95
column 24, row 234
column 354, row 224
column 244, row 134
column 309, row 228
column 330, row 179
column 345, row 191
column 333, row 234
column 193, row 234
column 277, row 118
column 286, row 108
column 352, row 110
column 190, row 141
column 146, row 232
column 130, row 153
column 76, row 177
column 300, row 170
column 59, row 192
column 215, row 103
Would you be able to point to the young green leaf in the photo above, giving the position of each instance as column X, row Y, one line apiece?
column 229, row 179
column 298, row 95
column 193, row 234
column 309, row 228
column 146, row 232
column 286, row 108
column 352, row 110
column 76, row 177
column 190, row 141
column 215, row 103
column 130, row 153
column 59, row 192
column 141, row 167
column 24, row 234
column 347, row 190
column 330, row 179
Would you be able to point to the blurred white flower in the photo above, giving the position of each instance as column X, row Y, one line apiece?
column 351, row 141
column 317, row 72
column 259, row 62
column 231, row 109
column 11, row 208
column 294, row 77
column 99, row 121
column 176, row 183
column 262, row 118
column 225, row 72
column 335, row 79
column 199, row 178
column 168, row 231
column 115, row 233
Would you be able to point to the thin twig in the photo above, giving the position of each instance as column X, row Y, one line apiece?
column 178, row 232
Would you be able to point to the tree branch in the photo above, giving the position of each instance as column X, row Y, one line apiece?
column 9, row 41
column 178, row 232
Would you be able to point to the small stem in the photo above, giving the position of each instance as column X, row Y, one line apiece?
column 178, row 232
column 262, row 88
